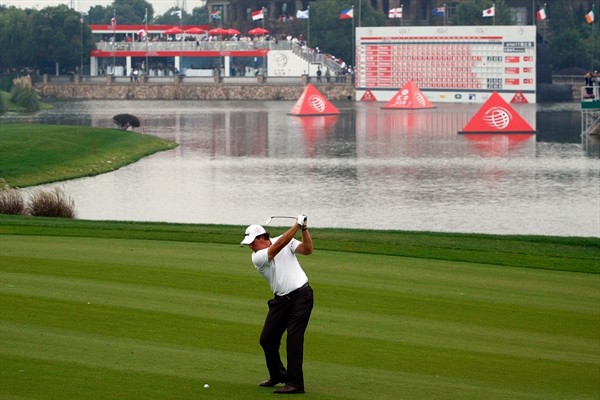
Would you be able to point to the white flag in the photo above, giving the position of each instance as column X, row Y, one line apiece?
column 395, row 12
column 490, row 12
column 302, row 14
column 176, row 12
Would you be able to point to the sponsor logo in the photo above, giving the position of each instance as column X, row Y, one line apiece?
column 316, row 103
column 420, row 99
column 497, row 117
column 281, row 59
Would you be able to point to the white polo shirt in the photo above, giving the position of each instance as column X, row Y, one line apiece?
column 283, row 272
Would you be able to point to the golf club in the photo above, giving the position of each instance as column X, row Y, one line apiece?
column 277, row 216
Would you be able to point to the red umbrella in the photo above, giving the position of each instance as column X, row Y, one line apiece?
column 195, row 31
column 258, row 31
column 232, row 32
column 173, row 31
column 217, row 32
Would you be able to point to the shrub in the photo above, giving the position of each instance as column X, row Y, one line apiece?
column 23, row 94
column 54, row 203
column 2, row 103
column 126, row 120
column 11, row 202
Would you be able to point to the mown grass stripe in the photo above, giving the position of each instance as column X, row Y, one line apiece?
column 166, row 315
column 206, row 365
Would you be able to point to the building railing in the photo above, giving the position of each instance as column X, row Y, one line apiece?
column 195, row 80
column 223, row 45
column 568, row 80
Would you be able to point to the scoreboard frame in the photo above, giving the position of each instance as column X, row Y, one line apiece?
column 458, row 64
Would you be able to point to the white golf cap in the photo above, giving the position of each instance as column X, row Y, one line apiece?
column 252, row 232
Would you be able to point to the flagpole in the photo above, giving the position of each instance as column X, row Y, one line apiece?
column 402, row 15
column 544, row 37
column 181, row 41
column 354, row 45
column 114, row 24
column 81, row 44
column 146, row 39
column 308, row 42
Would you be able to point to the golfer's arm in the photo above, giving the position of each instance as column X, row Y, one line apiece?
column 306, row 247
column 276, row 247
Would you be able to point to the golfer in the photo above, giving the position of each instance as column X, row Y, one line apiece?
column 275, row 258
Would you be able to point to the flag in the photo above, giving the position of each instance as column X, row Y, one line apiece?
column 489, row 12
column 113, row 21
column 438, row 11
column 348, row 13
column 302, row 14
column 541, row 14
column 176, row 12
column 258, row 15
column 589, row 17
column 395, row 13
column 215, row 14
column 145, row 20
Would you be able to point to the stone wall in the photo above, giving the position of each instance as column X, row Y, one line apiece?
column 178, row 91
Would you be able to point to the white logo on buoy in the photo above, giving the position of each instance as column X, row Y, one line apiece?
column 420, row 99
column 316, row 103
column 497, row 117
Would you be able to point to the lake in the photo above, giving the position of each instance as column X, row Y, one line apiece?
column 239, row 162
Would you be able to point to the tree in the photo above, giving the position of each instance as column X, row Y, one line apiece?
column 126, row 12
column 335, row 36
column 572, row 43
column 126, row 121
column 469, row 12
column 100, row 15
column 58, row 38
column 16, row 40
column 168, row 19
column 199, row 16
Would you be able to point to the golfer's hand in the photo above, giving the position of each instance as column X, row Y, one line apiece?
column 301, row 220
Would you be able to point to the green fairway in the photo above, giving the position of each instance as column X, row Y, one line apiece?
column 103, row 310
column 35, row 154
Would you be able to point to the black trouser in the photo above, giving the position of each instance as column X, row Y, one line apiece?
column 289, row 313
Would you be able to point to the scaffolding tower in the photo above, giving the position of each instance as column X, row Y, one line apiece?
column 590, row 112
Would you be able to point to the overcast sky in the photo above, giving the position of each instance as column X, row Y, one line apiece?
column 160, row 6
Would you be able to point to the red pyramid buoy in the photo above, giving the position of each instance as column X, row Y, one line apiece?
column 368, row 96
column 409, row 97
column 519, row 98
column 312, row 102
column 497, row 116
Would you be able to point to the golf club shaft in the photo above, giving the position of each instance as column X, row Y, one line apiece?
column 278, row 216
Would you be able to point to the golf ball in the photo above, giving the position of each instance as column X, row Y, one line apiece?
column 206, row 386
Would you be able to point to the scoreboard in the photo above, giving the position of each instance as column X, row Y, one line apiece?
column 449, row 63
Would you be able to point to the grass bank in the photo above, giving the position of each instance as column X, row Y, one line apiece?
column 118, row 310
column 36, row 154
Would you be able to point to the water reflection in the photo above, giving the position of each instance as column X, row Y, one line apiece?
column 239, row 162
